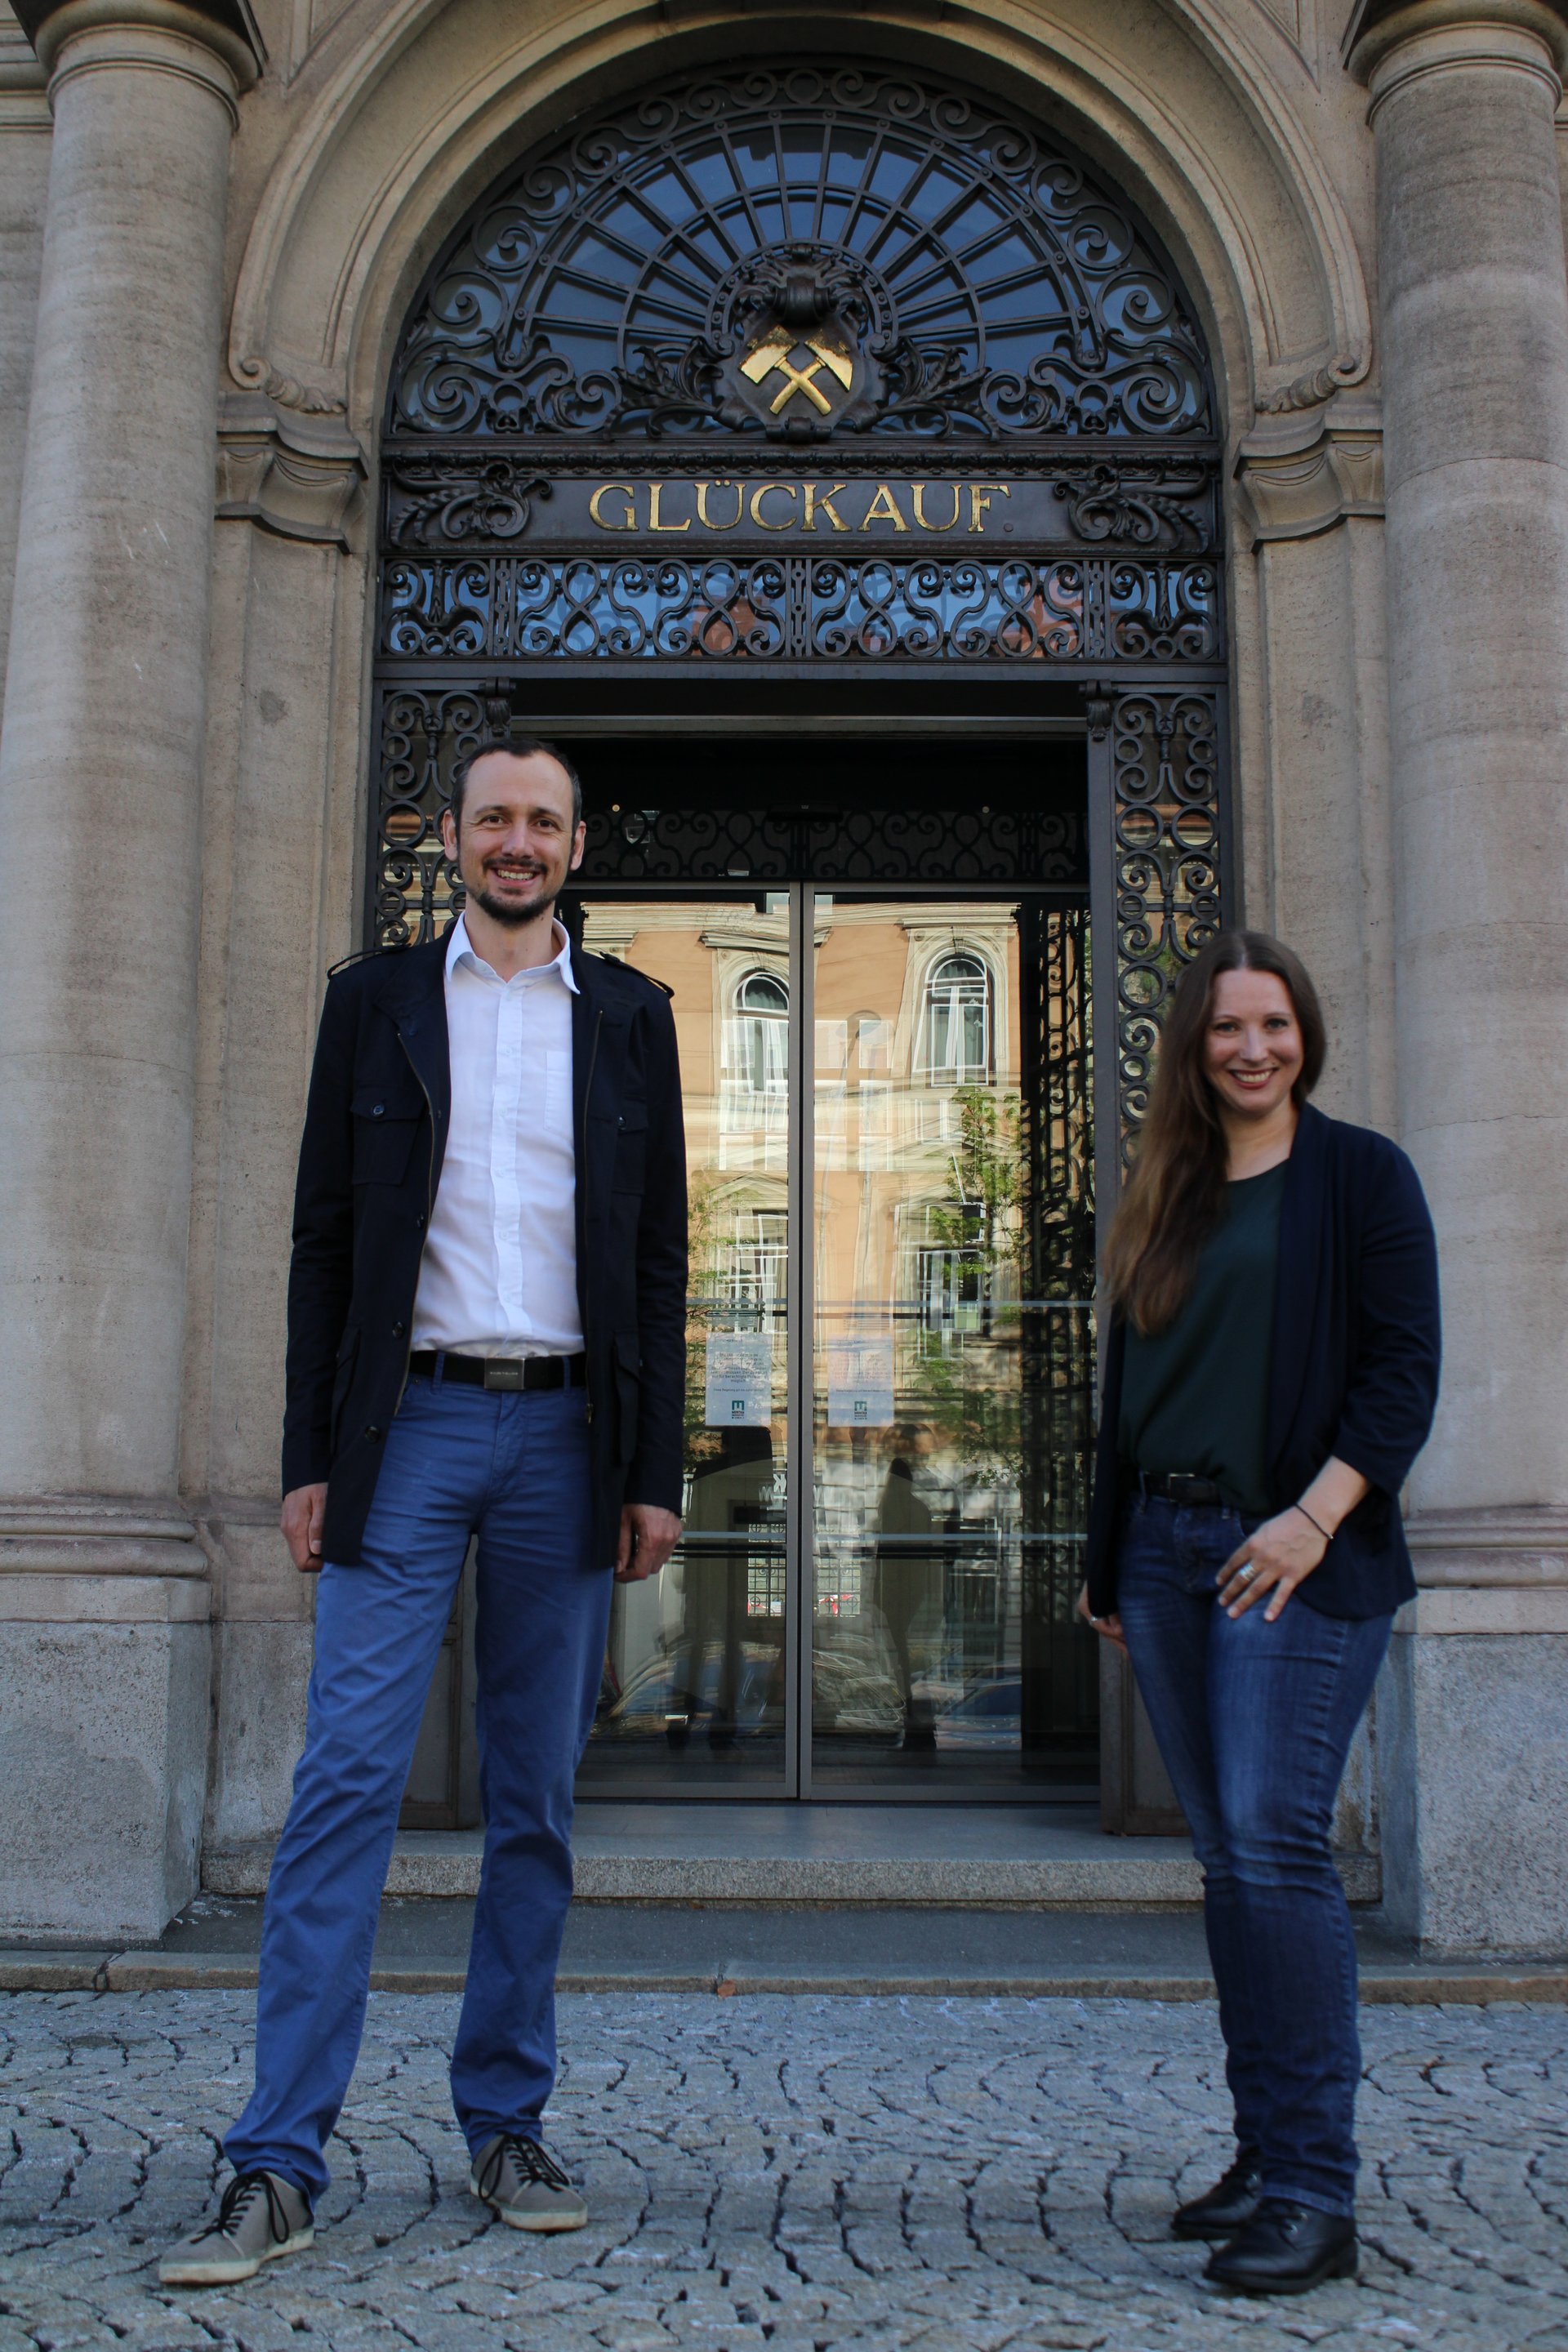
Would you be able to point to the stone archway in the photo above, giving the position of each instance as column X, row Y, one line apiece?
column 802, row 377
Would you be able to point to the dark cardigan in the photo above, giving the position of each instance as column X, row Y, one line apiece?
column 1353, row 1363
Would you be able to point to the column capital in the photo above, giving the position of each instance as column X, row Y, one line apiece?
column 216, row 42
column 1389, row 42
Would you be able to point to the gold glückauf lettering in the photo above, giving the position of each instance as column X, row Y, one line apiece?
column 661, row 504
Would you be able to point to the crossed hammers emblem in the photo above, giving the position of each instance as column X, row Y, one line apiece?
column 774, row 352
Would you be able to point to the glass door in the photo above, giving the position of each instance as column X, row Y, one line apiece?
column 889, row 1354
column 952, row 1344
column 695, row 1698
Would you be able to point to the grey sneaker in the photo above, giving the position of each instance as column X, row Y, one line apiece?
column 526, row 2186
column 260, row 2216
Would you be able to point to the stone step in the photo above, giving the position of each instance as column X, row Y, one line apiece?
column 1006, row 1856
column 730, row 1951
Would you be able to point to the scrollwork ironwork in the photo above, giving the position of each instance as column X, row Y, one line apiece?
column 1139, row 504
column 489, row 499
column 975, row 282
column 1165, row 798
column 424, row 730
column 871, row 608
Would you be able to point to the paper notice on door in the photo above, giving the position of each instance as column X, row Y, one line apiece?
column 860, row 1383
column 740, row 1380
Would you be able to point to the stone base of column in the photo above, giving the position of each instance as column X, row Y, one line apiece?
column 1472, row 1737
column 105, row 1674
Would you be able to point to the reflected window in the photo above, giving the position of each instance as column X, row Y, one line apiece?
column 759, row 1261
column 753, row 1123
column 758, row 1055
column 952, row 1289
column 958, row 1022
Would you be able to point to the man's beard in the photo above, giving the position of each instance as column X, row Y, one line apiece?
column 513, row 913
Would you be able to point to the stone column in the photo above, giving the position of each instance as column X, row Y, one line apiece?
column 1474, row 303
column 103, row 1652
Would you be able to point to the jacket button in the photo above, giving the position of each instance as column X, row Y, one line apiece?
column 374, row 1433
column 378, row 1111
column 398, row 1329
column 418, row 1225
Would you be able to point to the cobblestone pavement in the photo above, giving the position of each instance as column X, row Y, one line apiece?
column 802, row 2172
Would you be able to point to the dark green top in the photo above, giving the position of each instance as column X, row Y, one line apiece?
column 1194, row 1397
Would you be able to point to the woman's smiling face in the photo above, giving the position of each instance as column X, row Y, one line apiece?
column 1252, row 1049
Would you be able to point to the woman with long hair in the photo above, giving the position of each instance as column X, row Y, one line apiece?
column 1272, row 1375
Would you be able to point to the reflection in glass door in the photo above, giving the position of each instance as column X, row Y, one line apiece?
column 890, row 1359
column 694, row 1695
column 953, row 1263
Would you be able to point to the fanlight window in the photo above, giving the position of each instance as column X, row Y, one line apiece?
column 958, row 1022
column 795, row 251
column 757, row 1054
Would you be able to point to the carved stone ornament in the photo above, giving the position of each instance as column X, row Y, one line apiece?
column 1307, row 474
column 291, row 391
column 302, row 478
column 1311, row 389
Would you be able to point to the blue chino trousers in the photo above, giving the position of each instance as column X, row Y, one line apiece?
column 512, row 1469
column 1255, row 1722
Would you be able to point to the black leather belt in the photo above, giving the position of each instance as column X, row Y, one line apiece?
column 1179, row 1486
column 513, row 1372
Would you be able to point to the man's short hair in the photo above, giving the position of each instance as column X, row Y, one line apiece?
column 518, row 747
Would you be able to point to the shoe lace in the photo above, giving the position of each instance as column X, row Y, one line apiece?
column 237, row 2200
column 535, row 2163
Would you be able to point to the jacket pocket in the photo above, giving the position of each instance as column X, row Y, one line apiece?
column 631, row 1149
column 385, row 1127
column 628, row 1393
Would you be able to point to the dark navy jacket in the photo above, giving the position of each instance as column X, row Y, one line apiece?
column 375, row 1131
column 1353, row 1369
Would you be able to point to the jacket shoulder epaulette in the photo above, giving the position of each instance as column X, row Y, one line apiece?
column 366, row 955
column 633, row 971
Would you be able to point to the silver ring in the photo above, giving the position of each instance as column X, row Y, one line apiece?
column 1246, row 1572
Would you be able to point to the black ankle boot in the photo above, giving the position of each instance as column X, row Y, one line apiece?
column 1285, row 2249
column 1225, row 2208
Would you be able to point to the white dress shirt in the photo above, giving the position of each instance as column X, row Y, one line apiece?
column 498, row 1275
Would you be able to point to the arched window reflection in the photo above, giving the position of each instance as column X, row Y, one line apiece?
column 758, row 1054
column 958, row 1022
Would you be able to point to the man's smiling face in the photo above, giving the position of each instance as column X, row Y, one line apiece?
column 514, row 841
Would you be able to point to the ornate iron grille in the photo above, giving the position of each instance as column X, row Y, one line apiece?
column 423, row 732
column 922, row 264
column 502, row 608
column 851, row 269
column 1166, row 862
column 1060, row 1683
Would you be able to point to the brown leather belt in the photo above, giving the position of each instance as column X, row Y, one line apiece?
column 506, row 1372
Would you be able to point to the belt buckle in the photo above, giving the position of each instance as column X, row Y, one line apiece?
column 503, row 1372
column 1179, row 1485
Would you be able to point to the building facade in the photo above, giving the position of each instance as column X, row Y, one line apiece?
column 986, row 492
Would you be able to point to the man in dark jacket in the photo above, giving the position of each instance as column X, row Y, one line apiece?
column 486, row 1337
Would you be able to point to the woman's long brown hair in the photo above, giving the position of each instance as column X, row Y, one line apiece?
column 1174, row 1193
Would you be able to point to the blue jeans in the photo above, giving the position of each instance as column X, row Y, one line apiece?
column 1255, row 1722
column 513, row 1468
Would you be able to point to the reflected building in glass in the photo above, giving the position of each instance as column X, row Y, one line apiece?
column 880, row 1601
